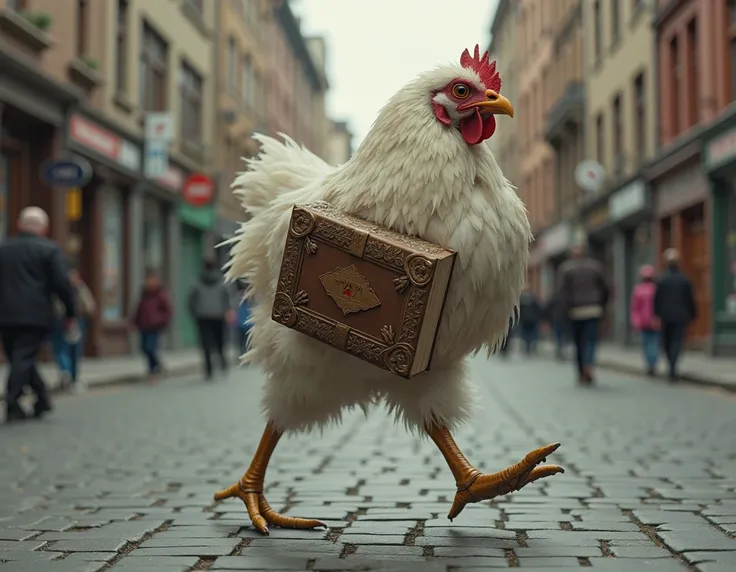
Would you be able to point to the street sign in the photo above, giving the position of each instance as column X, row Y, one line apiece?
column 156, row 158
column 66, row 173
column 198, row 190
column 159, row 126
column 590, row 175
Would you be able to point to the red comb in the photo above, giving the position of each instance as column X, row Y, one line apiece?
column 480, row 65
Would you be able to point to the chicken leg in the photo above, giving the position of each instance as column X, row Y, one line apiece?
column 473, row 486
column 250, row 489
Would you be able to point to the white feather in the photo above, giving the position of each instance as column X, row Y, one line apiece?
column 417, row 176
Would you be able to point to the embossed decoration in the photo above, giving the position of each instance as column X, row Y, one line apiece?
column 350, row 290
column 401, row 284
column 398, row 358
column 302, row 223
column 310, row 246
column 290, row 266
column 301, row 298
column 419, row 269
column 387, row 333
column 284, row 311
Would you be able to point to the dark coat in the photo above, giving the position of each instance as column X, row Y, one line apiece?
column 674, row 302
column 154, row 310
column 32, row 272
column 530, row 311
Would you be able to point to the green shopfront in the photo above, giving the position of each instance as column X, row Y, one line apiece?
column 719, row 164
column 197, row 220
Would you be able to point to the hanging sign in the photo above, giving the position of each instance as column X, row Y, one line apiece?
column 66, row 173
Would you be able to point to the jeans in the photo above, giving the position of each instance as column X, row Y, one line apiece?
column 529, row 334
column 673, row 336
column 149, row 347
column 212, row 338
column 67, row 355
column 585, row 336
column 21, row 345
column 650, row 347
column 560, row 337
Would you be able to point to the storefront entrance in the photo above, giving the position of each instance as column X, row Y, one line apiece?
column 190, row 266
column 4, row 194
column 696, row 266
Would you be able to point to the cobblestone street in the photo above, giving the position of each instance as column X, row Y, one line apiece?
column 123, row 477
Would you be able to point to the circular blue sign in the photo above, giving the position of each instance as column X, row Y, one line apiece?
column 66, row 173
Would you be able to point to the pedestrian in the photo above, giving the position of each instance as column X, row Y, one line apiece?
column 555, row 317
column 530, row 314
column 152, row 316
column 210, row 305
column 243, row 324
column 32, row 272
column 583, row 294
column 675, row 308
column 643, row 319
column 68, row 345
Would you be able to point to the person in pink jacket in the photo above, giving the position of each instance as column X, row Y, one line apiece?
column 642, row 316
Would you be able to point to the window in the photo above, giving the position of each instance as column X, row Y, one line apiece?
column 191, row 103
column 196, row 4
column 232, row 62
column 154, row 68
column 597, row 32
column 17, row 5
column 600, row 139
column 615, row 22
column 640, row 106
column 113, row 209
column 676, row 87
column 82, row 28
column 617, row 135
column 694, row 79
column 248, row 89
column 121, row 33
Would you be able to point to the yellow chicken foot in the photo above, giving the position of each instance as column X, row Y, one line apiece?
column 250, row 489
column 473, row 486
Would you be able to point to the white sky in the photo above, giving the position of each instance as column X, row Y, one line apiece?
column 376, row 47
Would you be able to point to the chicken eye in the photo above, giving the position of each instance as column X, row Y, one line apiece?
column 460, row 90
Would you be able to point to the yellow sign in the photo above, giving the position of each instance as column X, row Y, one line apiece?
column 74, row 204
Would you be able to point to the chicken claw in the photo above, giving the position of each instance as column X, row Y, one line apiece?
column 480, row 487
column 260, row 512
column 250, row 489
column 474, row 486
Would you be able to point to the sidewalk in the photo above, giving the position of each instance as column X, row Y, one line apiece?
column 695, row 367
column 119, row 369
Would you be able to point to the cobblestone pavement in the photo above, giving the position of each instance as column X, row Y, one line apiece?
column 123, row 478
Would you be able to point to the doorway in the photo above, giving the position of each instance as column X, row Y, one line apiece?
column 696, row 266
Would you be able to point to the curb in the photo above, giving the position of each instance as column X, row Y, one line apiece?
column 638, row 371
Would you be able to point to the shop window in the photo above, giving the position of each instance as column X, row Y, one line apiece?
column 154, row 237
column 113, row 213
column 4, row 186
column 731, row 254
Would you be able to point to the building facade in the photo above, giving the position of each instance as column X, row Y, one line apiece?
column 536, row 169
column 340, row 143
column 620, row 122
column 694, row 63
column 503, row 49
column 242, row 99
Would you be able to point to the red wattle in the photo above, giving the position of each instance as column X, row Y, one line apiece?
column 471, row 128
column 489, row 127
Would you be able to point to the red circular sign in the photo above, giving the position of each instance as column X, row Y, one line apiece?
column 198, row 190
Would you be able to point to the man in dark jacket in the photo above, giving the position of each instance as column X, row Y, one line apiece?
column 32, row 271
column 530, row 314
column 210, row 304
column 583, row 294
column 674, row 307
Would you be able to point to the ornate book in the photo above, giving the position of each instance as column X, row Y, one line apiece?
column 369, row 291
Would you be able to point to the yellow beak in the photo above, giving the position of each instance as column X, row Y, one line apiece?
column 496, row 104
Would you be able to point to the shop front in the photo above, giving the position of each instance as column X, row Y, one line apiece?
column 681, row 213
column 197, row 217
column 596, row 221
column 630, row 211
column 554, row 244
column 98, row 238
column 719, row 163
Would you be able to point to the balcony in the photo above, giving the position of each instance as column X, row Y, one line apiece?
column 568, row 110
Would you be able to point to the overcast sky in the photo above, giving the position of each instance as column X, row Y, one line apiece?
column 376, row 47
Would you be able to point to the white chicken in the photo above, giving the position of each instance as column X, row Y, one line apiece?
column 424, row 169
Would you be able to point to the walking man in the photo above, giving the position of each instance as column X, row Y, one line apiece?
column 674, row 307
column 210, row 305
column 32, row 272
column 584, row 294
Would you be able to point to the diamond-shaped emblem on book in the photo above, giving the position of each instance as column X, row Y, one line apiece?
column 350, row 290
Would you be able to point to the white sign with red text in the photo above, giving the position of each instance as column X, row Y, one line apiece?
column 93, row 136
